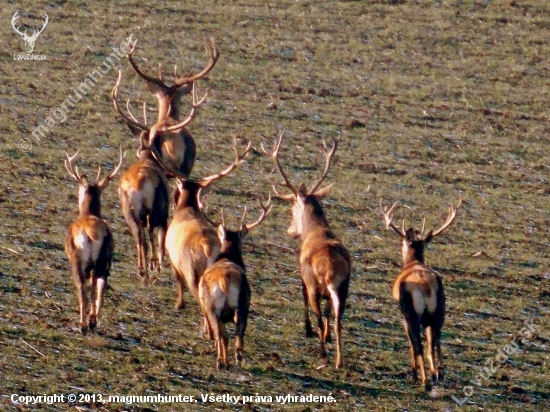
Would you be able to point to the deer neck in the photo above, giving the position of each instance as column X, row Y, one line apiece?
column 89, row 201
column 187, row 195
column 314, row 220
column 413, row 254
column 232, row 252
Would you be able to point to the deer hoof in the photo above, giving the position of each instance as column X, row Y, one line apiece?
column 92, row 323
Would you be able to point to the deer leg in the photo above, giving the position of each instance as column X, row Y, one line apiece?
column 224, row 342
column 82, row 303
column 92, row 321
column 412, row 328
column 161, row 236
column 307, row 321
column 206, row 329
column 430, row 343
column 326, row 331
column 337, row 304
column 315, row 302
column 180, row 287
column 80, row 285
column 437, row 344
column 153, row 263
column 136, row 227
column 99, row 288
column 216, row 330
column 240, row 321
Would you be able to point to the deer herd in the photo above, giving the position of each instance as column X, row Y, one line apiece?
column 207, row 257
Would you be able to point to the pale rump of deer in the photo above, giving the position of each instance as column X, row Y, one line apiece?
column 191, row 241
column 325, row 263
column 224, row 292
column 143, row 189
column 419, row 291
column 89, row 243
column 174, row 143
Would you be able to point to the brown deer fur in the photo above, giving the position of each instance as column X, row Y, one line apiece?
column 419, row 292
column 325, row 263
column 89, row 245
column 191, row 241
column 177, row 147
column 143, row 194
column 143, row 187
column 224, row 292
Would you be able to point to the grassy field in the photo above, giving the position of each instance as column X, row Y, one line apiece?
column 434, row 100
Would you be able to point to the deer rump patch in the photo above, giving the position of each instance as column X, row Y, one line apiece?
column 220, row 289
column 88, row 235
column 421, row 284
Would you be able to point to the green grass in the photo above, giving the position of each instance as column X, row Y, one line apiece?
column 433, row 99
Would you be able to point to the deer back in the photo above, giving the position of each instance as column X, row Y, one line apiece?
column 143, row 188
column 220, row 287
column 421, row 283
column 192, row 243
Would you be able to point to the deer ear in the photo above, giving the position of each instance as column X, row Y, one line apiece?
column 429, row 236
column 243, row 233
column 321, row 193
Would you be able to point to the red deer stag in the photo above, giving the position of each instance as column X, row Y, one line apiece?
column 143, row 189
column 224, row 291
column 89, row 243
column 191, row 241
column 324, row 261
column 419, row 291
column 174, row 143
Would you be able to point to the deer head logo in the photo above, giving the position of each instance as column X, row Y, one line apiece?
column 29, row 40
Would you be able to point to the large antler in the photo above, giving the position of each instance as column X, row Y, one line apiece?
column 73, row 171
column 207, row 181
column 387, row 212
column 452, row 215
column 239, row 159
column 265, row 210
column 328, row 160
column 194, row 106
column 101, row 184
column 105, row 181
column 130, row 118
column 178, row 82
column 200, row 204
column 275, row 156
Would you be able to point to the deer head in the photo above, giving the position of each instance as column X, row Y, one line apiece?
column 160, row 126
column 168, row 96
column 231, row 240
column 301, row 197
column 29, row 40
column 414, row 242
column 89, row 193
